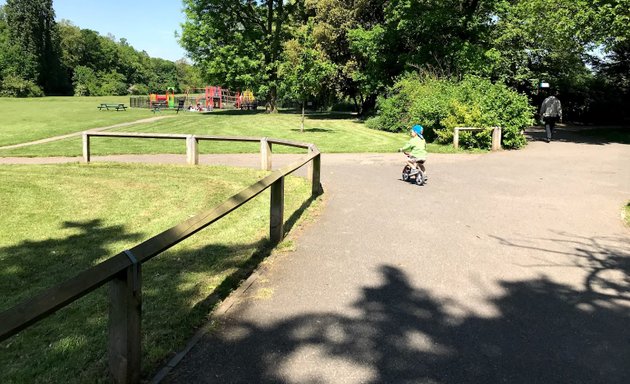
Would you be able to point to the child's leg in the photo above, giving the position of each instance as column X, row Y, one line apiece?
column 422, row 168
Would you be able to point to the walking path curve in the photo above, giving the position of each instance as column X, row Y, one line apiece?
column 61, row 137
column 507, row 267
column 511, row 267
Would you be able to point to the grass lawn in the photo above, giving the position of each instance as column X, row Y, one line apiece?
column 330, row 132
column 59, row 219
column 30, row 119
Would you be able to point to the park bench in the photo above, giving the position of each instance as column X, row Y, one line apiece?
column 112, row 106
column 180, row 105
column 496, row 136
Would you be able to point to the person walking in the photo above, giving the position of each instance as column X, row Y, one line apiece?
column 550, row 114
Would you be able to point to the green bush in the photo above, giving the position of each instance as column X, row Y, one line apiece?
column 15, row 86
column 441, row 105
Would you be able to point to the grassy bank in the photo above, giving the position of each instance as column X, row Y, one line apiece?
column 340, row 133
column 30, row 119
column 57, row 220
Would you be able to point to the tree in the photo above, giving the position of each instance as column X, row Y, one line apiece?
column 373, row 42
column 238, row 43
column 32, row 28
column 85, row 81
column 305, row 69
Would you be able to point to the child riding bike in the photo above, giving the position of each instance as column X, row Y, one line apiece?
column 416, row 151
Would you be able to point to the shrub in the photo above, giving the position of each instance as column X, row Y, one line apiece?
column 15, row 86
column 138, row 89
column 441, row 105
column 112, row 83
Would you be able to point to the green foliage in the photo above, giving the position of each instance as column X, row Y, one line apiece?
column 15, row 86
column 305, row 70
column 113, row 83
column 441, row 105
column 85, row 82
column 64, row 59
column 238, row 44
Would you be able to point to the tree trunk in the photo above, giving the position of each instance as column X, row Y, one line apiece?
column 368, row 105
column 302, row 127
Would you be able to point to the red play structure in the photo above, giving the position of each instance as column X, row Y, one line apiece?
column 200, row 99
column 214, row 97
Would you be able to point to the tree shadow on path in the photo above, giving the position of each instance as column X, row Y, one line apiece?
column 542, row 332
column 583, row 135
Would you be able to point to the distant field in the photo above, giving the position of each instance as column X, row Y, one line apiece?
column 340, row 133
column 58, row 220
column 32, row 119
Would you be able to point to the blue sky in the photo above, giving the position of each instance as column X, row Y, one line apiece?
column 147, row 25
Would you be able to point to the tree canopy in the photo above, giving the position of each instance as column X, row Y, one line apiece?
column 41, row 56
column 360, row 49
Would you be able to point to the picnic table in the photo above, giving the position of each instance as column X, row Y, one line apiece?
column 157, row 106
column 112, row 106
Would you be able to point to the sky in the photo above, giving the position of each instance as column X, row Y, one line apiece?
column 147, row 25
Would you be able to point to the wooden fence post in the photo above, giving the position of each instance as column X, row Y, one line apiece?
column 192, row 150
column 125, row 313
column 276, row 216
column 86, row 147
column 455, row 138
column 496, row 138
column 265, row 154
column 314, row 172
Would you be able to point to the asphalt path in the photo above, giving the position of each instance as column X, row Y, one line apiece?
column 510, row 267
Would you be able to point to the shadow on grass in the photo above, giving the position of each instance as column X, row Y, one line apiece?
column 180, row 288
column 31, row 263
column 322, row 115
column 583, row 135
column 318, row 130
column 235, row 112
column 541, row 332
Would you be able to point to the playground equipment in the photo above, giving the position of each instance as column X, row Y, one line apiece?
column 247, row 100
column 166, row 100
column 205, row 99
column 215, row 97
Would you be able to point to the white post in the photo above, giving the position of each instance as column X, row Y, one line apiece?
column 456, row 138
column 86, row 147
column 192, row 150
column 496, row 138
column 265, row 154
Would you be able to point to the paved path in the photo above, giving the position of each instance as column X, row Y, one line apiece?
column 61, row 137
column 511, row 267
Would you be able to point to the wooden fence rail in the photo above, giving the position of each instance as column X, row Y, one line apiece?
column 123, row 270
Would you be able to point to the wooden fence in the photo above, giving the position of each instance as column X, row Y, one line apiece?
column 124, row 270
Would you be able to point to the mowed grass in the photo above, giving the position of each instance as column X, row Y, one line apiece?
column 31, row 119
column 58, row 220
column 332, row 133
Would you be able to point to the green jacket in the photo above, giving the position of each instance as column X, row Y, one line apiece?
column 416, row 147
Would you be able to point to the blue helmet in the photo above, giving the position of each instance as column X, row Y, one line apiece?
column 418, row 129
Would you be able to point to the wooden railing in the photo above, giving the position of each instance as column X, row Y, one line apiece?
column 124, row 270
column 496, row 136
column 192, row 141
